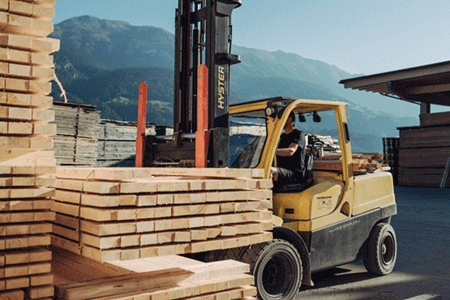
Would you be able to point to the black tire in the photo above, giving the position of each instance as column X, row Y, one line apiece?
column 381, row 250
column 278, row 271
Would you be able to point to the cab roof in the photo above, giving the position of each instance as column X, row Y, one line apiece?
column 279, row 103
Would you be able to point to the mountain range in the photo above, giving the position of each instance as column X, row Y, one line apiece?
column 101, row 62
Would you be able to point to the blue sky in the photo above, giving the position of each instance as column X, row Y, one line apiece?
column 360, row 37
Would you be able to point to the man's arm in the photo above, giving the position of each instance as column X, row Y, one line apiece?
column 288, row 151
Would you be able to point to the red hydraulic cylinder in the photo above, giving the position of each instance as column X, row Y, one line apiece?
column 142, row 120
column 201, row 135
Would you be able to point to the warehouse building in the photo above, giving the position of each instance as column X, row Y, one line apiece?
column 423, row 151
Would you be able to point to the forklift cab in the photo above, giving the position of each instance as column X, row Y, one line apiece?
column 256, row 127
column 255, row 130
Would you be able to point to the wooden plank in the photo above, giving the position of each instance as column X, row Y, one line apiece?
column 111, row 174
column 21, row 205
column 24, row 242
column 222, row 173
column 28, row 181
column 23, row 162
column 26, row 114
column 116, row 200
column 25, row 256
column 40, row 292
column 129, row 173
column 23, row 270
column 169, row 249
column 120, row 284
column 27, row 217
column 442, row 118
column 12, row 295
column 234, row 287
column 25, row 229
column 19, row 24
column 424, row 157
column 33, row 44
column 28, row 9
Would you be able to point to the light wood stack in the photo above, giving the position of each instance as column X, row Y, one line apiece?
column 362, row 163
column 170, row 277
column 26, row 68
column 130, row 213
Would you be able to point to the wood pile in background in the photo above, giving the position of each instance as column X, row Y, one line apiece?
column 424, row 151
column 434, row 119
column 116, row 144
column 362, row 163
column 171, row 277
column 130, row 213
column 77, row 129
column 26, row 68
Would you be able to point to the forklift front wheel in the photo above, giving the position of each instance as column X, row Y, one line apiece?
column 278, row 271
column 382, row 250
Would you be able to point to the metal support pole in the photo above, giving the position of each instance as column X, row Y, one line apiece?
column 445, row 177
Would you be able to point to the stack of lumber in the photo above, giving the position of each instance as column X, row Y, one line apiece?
column 172, row 277
column 117, row 143
column 26, row 68
column 77, row 129
column 130, row 213
column 424, row 152
column 25, row 226
column 362, row 163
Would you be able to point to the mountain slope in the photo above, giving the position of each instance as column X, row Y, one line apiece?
column 101, row 62
column 117, row 44
column 260, row 63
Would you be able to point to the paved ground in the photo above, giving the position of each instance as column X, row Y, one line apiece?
column 422, row 226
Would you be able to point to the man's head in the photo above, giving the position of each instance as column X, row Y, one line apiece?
column 290, row 120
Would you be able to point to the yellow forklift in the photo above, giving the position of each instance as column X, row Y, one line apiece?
column 328, row 219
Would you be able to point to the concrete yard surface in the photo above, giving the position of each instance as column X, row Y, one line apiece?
column 422, row 227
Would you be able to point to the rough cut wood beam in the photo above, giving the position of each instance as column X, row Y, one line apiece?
column 428, row 89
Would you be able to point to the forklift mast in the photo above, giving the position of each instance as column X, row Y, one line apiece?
column 203, row 36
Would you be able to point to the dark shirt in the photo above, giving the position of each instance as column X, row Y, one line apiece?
column 295, row 162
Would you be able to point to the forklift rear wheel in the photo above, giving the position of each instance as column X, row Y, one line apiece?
column 278, row 271
column 382, row 250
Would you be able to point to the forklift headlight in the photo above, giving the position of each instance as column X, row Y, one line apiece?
column 270, row 111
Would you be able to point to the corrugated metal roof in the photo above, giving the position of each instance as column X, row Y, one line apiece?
column 428, row 83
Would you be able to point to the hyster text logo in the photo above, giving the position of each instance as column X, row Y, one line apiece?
column 221, row 88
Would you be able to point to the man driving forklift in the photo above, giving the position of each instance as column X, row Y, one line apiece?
column 290, row 155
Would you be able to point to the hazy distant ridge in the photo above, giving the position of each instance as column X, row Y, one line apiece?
column 101, row 62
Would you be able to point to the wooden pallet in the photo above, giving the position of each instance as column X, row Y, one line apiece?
column 126, row 213
column 170, row 277
column 26, row 69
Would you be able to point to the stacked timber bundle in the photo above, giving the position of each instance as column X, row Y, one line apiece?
column 116, row 145
column 130, row 213
column 25, row 226
column 362, row 163
column 26, row 68
column 77, row 129
column 172, row 277
column 424, row 151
